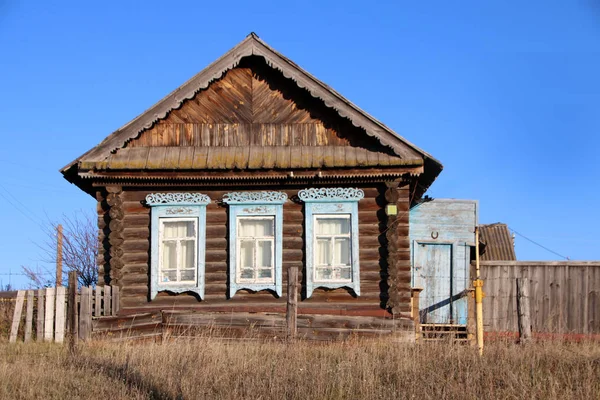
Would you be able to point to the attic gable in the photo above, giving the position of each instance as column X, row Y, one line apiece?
column 311, row 100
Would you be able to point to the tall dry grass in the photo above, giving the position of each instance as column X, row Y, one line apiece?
column 206, row 368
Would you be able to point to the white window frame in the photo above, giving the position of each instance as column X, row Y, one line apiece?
column 254, row 205
column 325, row 202
column 331, row 238
column 255, row 239
column 174, row 207
column 178, row 241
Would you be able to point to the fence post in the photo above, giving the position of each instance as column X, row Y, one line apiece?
column 39, row 329
column 85, row 313
column 292, row 303
column 72, row 312
column 523, row 310
column 14, row 329
column 416, row 315
column 49, row 321
column 29, row 317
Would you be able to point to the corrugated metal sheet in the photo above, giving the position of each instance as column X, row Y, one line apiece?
column 245, row 158
column 498, row 243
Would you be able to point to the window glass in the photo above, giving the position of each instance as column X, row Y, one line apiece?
column 255, row 249
column 178, row 247
column 333, row 226
column 332, row 258
column 255, row 227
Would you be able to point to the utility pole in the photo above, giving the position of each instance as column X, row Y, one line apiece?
column 59, row 254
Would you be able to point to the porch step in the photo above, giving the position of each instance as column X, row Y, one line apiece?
column 444, row 332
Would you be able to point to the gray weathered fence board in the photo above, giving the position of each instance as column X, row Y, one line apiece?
column 29, row 316
column 39, row 331
column 14, row 330
column 563, row 296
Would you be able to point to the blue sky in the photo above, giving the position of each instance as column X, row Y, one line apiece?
column 506, row 94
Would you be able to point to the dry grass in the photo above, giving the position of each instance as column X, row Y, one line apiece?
column 207, row 368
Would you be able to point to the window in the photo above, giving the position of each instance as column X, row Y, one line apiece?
column 332, row 255
column 256, row 244
column 177, row 250
column 178, row 226
column 255, row 240
column 331, row 219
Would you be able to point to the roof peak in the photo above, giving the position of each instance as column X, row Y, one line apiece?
column 252, row 45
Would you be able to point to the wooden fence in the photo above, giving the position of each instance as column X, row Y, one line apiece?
column 564, row 297
column 47, row 310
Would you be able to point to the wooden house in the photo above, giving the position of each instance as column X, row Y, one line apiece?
column 251, row 173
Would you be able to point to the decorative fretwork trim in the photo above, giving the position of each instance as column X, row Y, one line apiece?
column 154, row 199
column 255, row 197
column 331, row 194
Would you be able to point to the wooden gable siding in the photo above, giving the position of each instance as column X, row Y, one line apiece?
column 133, row 277
column 241, row 109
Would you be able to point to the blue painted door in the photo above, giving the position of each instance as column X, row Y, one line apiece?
column 433, row 273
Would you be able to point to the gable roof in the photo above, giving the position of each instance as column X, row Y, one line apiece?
column 498, row 243
column 253, row 46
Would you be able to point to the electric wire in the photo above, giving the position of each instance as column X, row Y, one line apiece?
column 538, row 244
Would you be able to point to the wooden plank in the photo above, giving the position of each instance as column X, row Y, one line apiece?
column 524, row 320
column 72, row 312
column 49, row 318
column 292, row 303
column 98, row 301
column 39, row 328
column 107, row 301
column 14, row 330
column 115, row 300
column 85, row 313
column 59, row 330
column 29, row 316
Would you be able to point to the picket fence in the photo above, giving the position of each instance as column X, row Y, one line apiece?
column 48, row 308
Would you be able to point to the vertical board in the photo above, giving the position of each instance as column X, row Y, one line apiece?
column 49, row 320
column 39, row 329
column 14, row 330
column 115, row 301
column 433, row 274
column 29, row 317
column 98, row 301
column 107, row 301
column 85, row 313
column 59, row 329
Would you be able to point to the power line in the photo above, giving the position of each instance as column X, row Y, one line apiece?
column 28, row 216
column 540, row 245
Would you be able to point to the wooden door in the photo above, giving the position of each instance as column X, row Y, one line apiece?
column 433, row 273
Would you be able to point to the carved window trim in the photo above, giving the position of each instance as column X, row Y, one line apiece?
column 255, row 204
column 176, row 206
column 328, row 202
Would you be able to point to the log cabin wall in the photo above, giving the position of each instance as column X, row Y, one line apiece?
column 134, row 277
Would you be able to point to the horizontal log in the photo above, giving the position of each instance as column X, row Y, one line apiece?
column 136, row 245
column 104, row 324
column 135, row 268
column 244, row 319
column 142, row 232
column 348, row 322
column 136, row 220
column 135, row 207
column 135, row 257
column 134, row 279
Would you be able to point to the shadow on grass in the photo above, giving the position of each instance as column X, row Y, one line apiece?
column 122, row 373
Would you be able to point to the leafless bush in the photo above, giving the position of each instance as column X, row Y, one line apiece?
column 80, row 250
